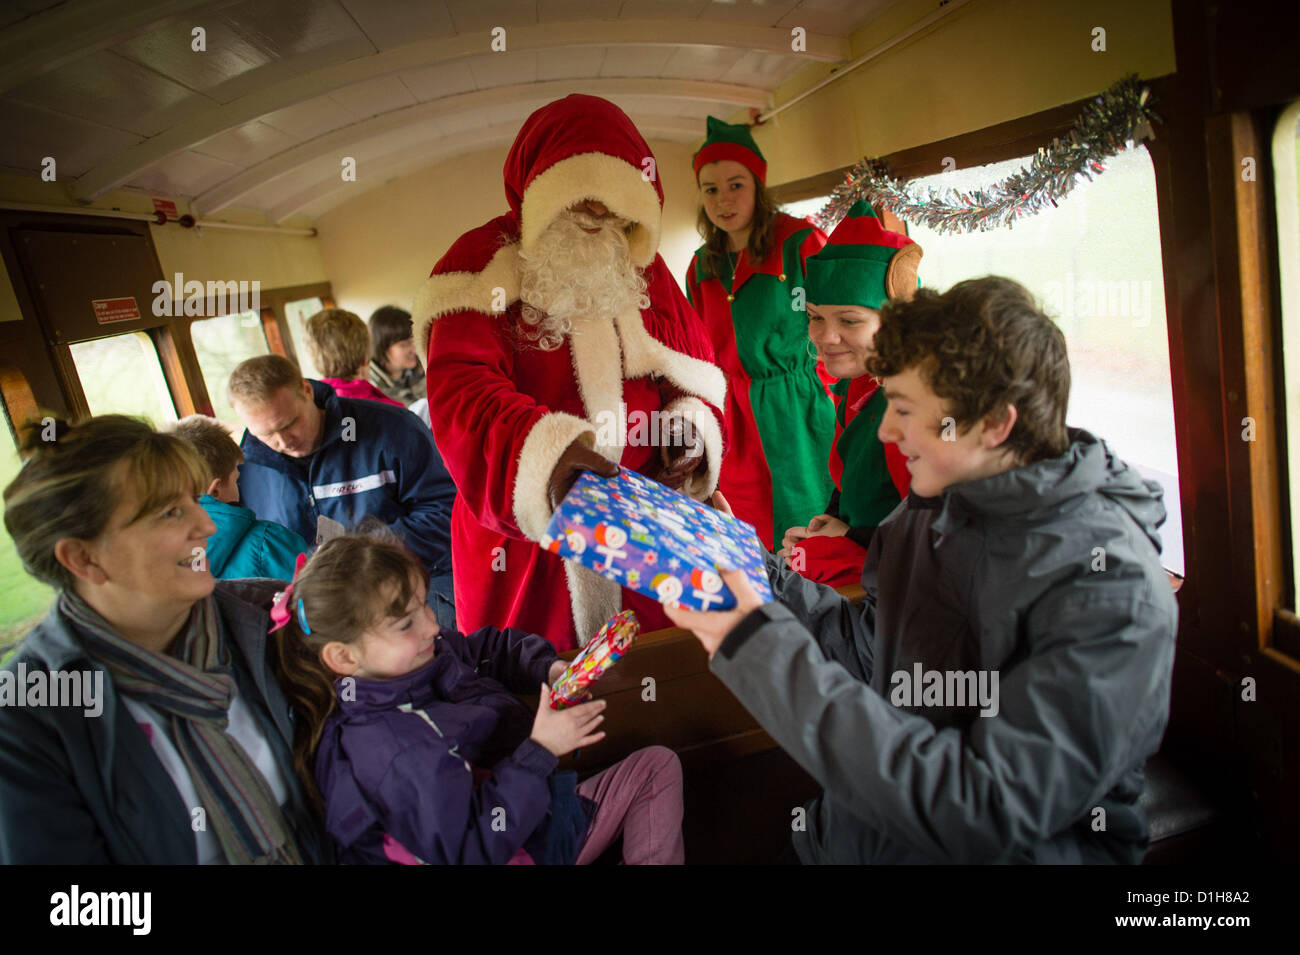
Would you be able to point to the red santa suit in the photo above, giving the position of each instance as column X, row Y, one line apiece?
column 503, row 410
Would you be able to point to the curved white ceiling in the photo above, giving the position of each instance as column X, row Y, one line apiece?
column 262, row 117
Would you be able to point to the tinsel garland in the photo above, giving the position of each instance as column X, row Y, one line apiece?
column 1118, row 116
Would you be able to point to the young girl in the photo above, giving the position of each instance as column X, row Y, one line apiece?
column 862, row 267
column 743, row 282
column 420, row 748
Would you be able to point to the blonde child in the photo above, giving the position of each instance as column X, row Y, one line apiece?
column 418, row 745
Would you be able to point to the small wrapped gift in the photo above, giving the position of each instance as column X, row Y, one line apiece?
column 601, row 652
column 653, row 540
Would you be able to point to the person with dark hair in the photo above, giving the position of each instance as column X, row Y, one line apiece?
column 421, row 751
column 746, row 285
column 179, row 748
column 394, row 366
column 996, row 695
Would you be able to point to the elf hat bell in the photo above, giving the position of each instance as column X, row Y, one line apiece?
column 863, row 263
column 730, row 141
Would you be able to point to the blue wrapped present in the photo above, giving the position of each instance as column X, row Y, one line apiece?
column 654, row 540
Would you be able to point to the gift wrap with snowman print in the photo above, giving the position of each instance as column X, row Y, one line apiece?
column 653, row 540
column 601, row 652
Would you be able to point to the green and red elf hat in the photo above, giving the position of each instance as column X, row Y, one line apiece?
column 730, row 141
column 862, row 263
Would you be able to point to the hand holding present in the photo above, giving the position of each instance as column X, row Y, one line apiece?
column 711, row 627
column 575, row 459
column 681, row 453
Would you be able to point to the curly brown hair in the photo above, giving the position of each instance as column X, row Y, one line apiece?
column 762, row 233
column 980, row 346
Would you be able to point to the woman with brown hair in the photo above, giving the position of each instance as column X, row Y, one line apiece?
column 746, row 283
column 176, row 746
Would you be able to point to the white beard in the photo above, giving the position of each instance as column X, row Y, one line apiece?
column 572, row 274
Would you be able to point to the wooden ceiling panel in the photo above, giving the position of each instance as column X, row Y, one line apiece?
column 169, row 50
column 109, row 90
column 503, row 69
column 184, row 175
column 836, row 17
column 308, row 119
column 391, row 23
column 32, row 134
column 481, row 16
column 247, row 144
column 289, row 28
column 439, row 80
column 569, row 63
column 700, row 62
column 635, row 60
column 380, row 95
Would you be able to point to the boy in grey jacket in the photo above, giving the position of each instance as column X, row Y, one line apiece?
column 995, row 696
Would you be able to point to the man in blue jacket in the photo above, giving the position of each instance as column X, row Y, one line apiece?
column 309, row 453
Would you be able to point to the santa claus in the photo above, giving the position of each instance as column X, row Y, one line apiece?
column 548, row 329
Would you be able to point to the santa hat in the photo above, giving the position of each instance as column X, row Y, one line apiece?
column 730, row 141
column 862, row 263
column 584, row 147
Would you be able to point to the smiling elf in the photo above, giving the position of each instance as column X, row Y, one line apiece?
column 865, row 265
column 743, row 284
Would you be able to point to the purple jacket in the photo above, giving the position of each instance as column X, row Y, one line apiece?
column 398, row 759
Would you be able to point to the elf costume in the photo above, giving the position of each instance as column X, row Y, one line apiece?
column 863, row 264
column 503, row 411
column 780, row 421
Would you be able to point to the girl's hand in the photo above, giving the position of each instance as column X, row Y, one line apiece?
column 558, row 667
column 711, row 627
column 826, row 526
column 563, row 731
column 795, row 534
column 720, row 503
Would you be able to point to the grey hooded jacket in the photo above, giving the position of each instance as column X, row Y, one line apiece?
column 1047, row 576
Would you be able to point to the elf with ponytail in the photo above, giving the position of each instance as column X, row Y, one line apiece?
column 746, row 283
column 417, row 746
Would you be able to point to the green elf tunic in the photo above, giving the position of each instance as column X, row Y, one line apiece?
column 780, row 419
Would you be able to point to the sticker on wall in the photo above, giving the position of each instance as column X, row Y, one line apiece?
column 110, row 310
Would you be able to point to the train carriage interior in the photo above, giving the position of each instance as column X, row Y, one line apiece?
column 184, row 184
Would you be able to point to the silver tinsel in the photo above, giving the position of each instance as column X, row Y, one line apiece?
column 1119, row 116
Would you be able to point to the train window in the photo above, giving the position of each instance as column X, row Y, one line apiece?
column 1286, row 167
column 297, row 314
column 221, row 343
column 122, row 375
column 23, row 599
column 1094, row 263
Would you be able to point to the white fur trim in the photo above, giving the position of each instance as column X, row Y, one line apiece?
column 592, row 598
column 702, row 483
column 496, row 285
column 537, row 459
column 594, row 347
column 608, row 179
column 645, row 355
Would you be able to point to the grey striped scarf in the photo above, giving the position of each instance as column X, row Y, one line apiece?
column 193, row 688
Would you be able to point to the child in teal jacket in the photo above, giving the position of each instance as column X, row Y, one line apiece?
column 243, row 546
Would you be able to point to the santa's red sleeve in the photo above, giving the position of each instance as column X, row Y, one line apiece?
column 495, row 440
